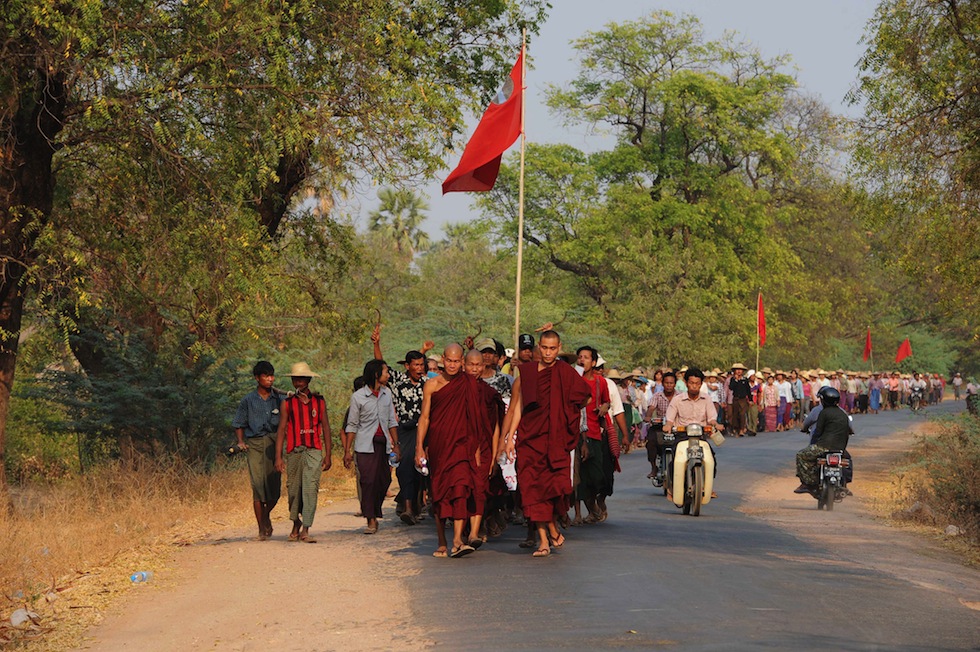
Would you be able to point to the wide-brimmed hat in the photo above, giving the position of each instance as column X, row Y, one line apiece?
column 766, row 370
column 616, row 374
column 301, row 370
column 714, row 372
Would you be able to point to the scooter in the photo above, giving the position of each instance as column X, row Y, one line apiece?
column 834, row 468
column 691, row 469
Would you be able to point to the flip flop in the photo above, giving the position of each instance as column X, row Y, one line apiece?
column 293, row 536
column 306, row 538
column 557, row 542
column 440, row 553
column 476, row 543
column 461, row 551
column 541, row 552
column 527, row 543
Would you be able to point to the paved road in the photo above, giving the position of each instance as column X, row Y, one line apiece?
column 651, row 578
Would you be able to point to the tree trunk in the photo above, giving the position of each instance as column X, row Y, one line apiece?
column 26, row 198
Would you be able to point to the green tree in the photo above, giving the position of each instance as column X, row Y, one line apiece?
column 399, row 218
column 232, row 107
column 918, row 147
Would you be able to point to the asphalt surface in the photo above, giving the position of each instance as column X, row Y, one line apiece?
column 652, row 578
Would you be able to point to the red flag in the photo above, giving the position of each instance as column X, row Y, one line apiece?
column 867, row 345
column 498, row 129
column 762, row 322
column 904, row 350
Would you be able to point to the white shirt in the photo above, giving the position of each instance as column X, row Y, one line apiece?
column 786, row 390
column 615, row 400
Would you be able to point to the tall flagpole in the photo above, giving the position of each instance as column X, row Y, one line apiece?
column 758, row 331
column 520, row 198
column 871, row 354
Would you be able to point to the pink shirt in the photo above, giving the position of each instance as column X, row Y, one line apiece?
column 683, row 411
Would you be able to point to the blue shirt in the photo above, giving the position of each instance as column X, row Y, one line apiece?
column 258, row 416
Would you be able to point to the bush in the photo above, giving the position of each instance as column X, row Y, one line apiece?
column 943, row 474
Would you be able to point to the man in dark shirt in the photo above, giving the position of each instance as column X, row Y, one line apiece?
column 739, row 391
column 831, row 433
column 406, row 394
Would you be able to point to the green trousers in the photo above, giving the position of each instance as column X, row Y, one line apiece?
column 303, row 482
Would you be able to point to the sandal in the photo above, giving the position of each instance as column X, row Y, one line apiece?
column 440, row 553
column 306, row 538
column 371, row 529
column 528, row 543
column 577, row 521
column 557, row 542
column 592, row 519
column 476, row 543
column 461, row 551
column 541, row 552
column 293, row 536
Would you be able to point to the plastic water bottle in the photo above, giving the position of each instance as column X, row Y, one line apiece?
column 393, row 460
column 141, row 576
column 423, row 467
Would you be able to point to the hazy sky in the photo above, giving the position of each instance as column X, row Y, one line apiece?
column 822, row 39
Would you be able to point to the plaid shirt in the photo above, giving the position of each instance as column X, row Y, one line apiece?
column 658, row 406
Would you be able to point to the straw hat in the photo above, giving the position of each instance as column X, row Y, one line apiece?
column 636, row 373
column 739, row 365
column 714, row 372
column 766, row 370
column 301, row 370
column 614, row 374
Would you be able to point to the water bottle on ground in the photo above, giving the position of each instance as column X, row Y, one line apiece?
column 141, row 576
column 393, row 460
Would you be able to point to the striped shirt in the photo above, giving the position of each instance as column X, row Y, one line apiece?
column 305, row 422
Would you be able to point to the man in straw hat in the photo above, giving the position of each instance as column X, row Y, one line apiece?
column 738, row 392
column 305, row 430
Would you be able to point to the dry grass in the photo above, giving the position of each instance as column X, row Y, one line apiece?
column 892, row 485
column 69, row 548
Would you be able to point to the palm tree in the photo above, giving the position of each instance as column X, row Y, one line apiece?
column 398, row 217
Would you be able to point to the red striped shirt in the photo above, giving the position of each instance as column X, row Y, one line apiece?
column 305, row 422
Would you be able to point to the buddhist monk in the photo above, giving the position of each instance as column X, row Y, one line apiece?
column 448, row 438
column 488, row 436
column 542, row 428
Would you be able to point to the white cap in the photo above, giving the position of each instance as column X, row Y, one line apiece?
column 600, row 362
column 751, row 373
column 509, row 353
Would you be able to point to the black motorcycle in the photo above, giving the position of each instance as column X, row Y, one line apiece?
column 835, row 471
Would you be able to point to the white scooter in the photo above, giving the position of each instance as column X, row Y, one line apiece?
column 693, row 469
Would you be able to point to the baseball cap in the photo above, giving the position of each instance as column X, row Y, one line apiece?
column 486, row 343
column 525, row 341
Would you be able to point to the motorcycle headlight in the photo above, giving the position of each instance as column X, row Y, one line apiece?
column 695, row 430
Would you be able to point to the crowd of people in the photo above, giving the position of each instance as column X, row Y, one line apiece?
column 481, row 436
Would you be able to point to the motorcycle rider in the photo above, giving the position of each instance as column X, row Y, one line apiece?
column 691, row 407
column 917, row 385
column 655, row 415
column 831, row 432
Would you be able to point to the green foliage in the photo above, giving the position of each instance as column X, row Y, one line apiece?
column 398, row 218
column 38, row 448
column 917, row 147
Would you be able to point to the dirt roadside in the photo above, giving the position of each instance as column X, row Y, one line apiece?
column 229, row 592
column 857, row 531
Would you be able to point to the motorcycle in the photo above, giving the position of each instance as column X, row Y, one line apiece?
column 834, row 468
column 915, row 399
column 690, row 469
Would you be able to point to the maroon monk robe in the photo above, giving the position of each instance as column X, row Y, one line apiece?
column 488, row 415
column 551, row 403
column 451, row 444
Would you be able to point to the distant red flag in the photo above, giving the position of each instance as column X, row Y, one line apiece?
column 762, row 322
column 498, row 129
column 904, row 350
column 867, row 345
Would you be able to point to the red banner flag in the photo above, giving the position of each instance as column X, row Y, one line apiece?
column 867, row 345
column 498, row 129
column 762, row 322
column 904, row 350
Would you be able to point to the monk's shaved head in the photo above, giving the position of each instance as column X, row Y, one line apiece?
column 454, row 350
column 474, row 356
column 452, row 359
